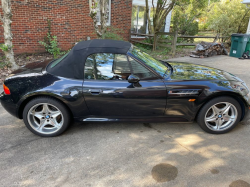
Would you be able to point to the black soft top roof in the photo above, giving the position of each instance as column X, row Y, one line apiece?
column 72, row 66
column 99, row 43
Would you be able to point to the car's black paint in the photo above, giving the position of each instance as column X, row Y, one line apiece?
column 121, row 98
column 164, row 99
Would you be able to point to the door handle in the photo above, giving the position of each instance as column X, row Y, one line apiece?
column 95, row 91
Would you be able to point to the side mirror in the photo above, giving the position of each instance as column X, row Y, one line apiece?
column 133, row 79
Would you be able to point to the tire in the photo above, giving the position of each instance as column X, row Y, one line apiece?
column 46, row 117
column 220, row 115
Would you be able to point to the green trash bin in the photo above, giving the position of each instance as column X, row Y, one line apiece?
column 248, row 46
column 239, row 44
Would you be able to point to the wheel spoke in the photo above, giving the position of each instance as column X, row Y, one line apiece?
column 218, row 124
column 226, row 109
column 45, row 108
column 54, row 114
column 228, row 118
column 211, row 119
column 42, row 124
column 55, row 123
column 215, row 109
column 39, row 115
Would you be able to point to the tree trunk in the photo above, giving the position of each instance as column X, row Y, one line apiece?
column 148, row 18
column 100, row 31
column 160, row 13
column 93, row 15
column 6, row 19
column 103, row 14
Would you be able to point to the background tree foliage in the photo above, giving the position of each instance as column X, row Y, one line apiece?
column 228, row 16
column 185, row 15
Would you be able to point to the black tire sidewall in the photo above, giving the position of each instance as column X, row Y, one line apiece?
column 54, row 102
column 204, row 109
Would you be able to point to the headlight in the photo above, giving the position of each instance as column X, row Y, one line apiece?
column 242, row 88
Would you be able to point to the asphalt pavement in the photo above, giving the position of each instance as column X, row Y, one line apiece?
column 129, row 154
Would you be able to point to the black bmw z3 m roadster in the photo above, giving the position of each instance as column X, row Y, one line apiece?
column 108, row 80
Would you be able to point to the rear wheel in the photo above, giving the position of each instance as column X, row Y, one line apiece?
column 46, row 117
column 219, row 115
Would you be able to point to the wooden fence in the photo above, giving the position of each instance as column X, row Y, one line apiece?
column 166, row 42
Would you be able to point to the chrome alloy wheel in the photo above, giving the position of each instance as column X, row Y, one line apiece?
column 45, row 118
column 221, row 116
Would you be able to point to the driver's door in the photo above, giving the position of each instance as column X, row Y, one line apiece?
column 108, row 93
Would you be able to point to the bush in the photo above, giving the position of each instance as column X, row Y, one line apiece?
column 184, row 23
column 112, row 33
column 228, row 16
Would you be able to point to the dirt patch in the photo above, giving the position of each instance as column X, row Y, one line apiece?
column 239, row 183
column 23, row 59
column 164, row 172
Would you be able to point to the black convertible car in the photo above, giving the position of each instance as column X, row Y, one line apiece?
column 107, row 80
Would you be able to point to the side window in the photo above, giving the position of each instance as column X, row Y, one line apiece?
column 142, row 72
column 106, row 66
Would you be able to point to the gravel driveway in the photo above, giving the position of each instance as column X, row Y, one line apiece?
column 129, row 154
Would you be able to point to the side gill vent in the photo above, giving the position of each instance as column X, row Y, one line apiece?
column 183, row 92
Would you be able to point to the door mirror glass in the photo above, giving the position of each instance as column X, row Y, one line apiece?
column 133, row 79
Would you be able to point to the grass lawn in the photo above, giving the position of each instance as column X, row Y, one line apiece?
column 166, row 53
column 204, row 33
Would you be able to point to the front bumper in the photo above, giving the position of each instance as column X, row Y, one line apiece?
column 8, row 104
column 247, row 104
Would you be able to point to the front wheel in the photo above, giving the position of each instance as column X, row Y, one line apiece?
column 46, row 117
column 219, row 115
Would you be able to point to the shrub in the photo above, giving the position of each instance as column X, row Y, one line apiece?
column 4, row 47
column 50, row 43
column 112, row 33
column 52, row 47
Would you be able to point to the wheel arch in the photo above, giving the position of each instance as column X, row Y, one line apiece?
column 28, row 99
column 233, row 95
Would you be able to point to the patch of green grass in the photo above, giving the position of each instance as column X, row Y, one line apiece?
column 205, row 33
column 4, row 64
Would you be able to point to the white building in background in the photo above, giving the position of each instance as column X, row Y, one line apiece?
column 138, row 20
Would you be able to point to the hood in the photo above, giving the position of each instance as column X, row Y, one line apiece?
column 31, row 69
column 187, row 71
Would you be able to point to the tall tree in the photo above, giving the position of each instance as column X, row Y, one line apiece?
column 160, row 12
column 227, row 17
column 6, row 19
column 95, row 6
column 185, row 14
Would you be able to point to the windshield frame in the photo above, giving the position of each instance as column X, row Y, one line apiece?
column 162, row 75
column 58, row 60
column 143, row 64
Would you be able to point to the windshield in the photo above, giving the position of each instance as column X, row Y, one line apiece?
column 160, row 67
